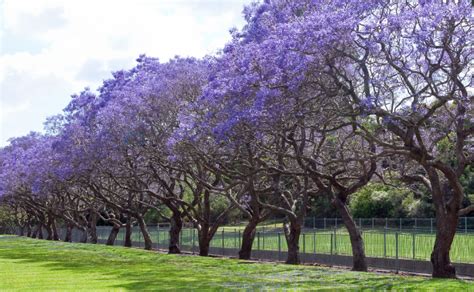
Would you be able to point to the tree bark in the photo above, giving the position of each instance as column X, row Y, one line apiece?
column 359, row 262
column 40, row 231
column 28, row 230
column 128, row 233
column 204, row 241
column 446, row 225
column 49, row 230
column 145, row 233
column 292, row 235
column 84, row 235
column 204, row 247
column 68, row 237
column 113, row 234
column 248, row 237
column 446, row 207
column 175, row 230
column 55, row 230
column 93, row 227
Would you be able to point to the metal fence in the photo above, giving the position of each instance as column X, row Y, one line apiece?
column 466, row 224
column 8, row 230
column 386, row 249
column 380, row 244
column 419, row 225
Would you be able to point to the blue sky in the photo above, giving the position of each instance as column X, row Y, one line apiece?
column 50, row 49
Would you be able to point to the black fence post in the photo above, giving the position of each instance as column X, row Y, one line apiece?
column 258, row 240
column 235, row 238
column 279, row 246
column 314, row 242
column 332, row 239
column 304, row 242
column 396, row 251
column 240, row 239
column 223, row 234
column 193, row 243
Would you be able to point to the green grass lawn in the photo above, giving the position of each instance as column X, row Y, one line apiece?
column 28, row 264
column 326, row 242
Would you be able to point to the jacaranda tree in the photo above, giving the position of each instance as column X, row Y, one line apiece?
column 311, row 100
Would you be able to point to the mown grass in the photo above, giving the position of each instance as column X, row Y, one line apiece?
column 28, row 264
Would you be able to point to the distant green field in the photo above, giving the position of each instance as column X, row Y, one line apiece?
column 40, row 265
column 377, row 244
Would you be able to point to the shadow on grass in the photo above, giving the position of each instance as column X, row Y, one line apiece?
column 144, row 270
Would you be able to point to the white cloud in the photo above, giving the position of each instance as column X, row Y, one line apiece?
column 27, row 100
column 77, row 44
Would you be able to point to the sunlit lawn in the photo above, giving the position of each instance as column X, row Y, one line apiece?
column 28, row 264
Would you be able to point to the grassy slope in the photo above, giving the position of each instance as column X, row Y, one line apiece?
column 42, row 265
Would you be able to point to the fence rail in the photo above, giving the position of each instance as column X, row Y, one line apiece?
column 466, row 224
column 419, row 225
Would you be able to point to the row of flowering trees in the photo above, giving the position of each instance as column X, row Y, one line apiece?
column 310, row 98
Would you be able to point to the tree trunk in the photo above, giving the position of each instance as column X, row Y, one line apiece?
column 68, row 237
column 84, row 235
column 204, row 241
column 175, row 230
column 28, row 230
column 146, row 234
column 248, row 237
column 93, row 227
column 113, row 234
column 40, row 231
column 446, row 206
column 49, row 230
column 55, row 230
column 446, row 225
column 128, row 233
column 292, row 235
column 359, row 262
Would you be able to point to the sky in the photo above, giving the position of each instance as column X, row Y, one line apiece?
column 51, row 49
